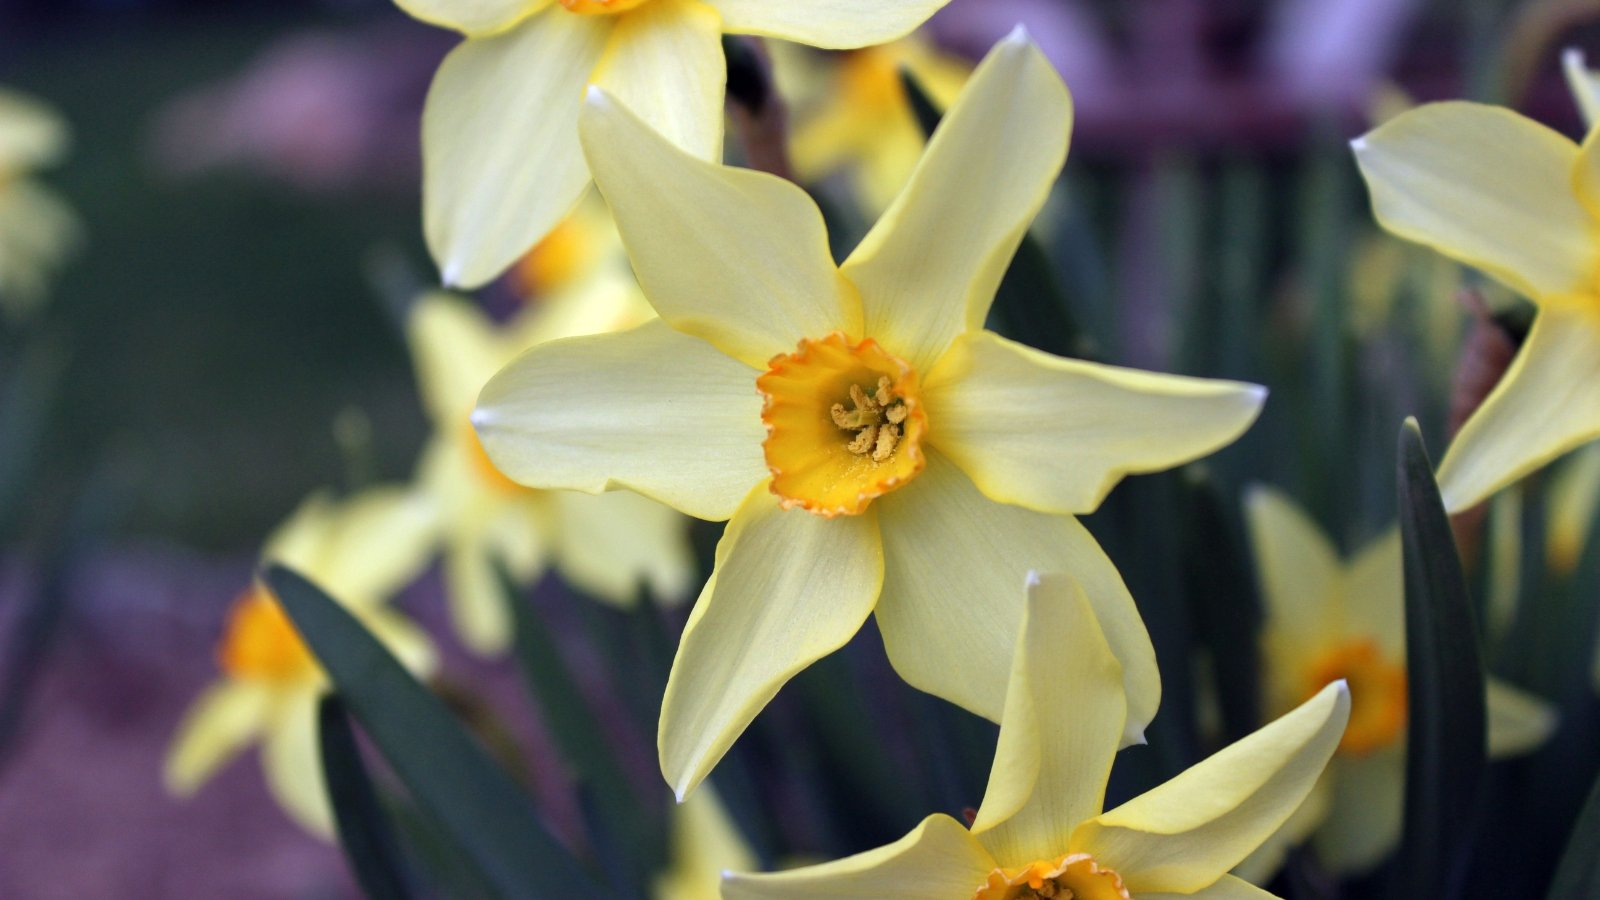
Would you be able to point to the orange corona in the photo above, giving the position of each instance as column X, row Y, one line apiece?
column 1378, row 700
column 601, row 7
column 260, row 642
column 1075, row 876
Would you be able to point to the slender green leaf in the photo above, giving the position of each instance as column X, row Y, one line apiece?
column 364, row 831
column 450, row 775
column 1446, row 763
column 1220, row 584
column 1579, row 872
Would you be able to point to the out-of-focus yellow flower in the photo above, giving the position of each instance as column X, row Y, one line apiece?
column 1330, row 619
column 583, row 248
column 502, row 164
column 607, row 545
column 876, row 450
column 37, row 229
column 1040, row 831
column 863, row 123
column 360, row 551
column 1574, row 499
column 1584, row 83
column 1518, row 201
column 705, row 843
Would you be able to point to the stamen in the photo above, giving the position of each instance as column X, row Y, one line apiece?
column 864, row 441
column 873, row 435
column 888, row 439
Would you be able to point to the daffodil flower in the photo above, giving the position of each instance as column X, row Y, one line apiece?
column 1041, row 831
column 501, row 160
column 360, row 550
column 705, row 843
column 37, row 229
column 876, row 449
column 1506, row 195
column 1332, row 619
column 608, row 545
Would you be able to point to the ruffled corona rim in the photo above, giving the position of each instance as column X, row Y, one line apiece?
column 1075, row 876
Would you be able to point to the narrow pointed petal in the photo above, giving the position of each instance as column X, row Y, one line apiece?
column 292, row 763
column 615, row 545
column 649, row 409
column 1183, row 835
column 929, row 269
column 1061, row 729
column 1266, row 860
column 1374, row 595
column 665, row 64
column 948, row 614
column 1299, row 568
column 1226, row 888
column 937, row 859
column 377, row 542
column 1056, row 435
column 479, row 609
column 1547, row 403
column 474, row 18
column 737, row 257
column 1518, row 721
column 1486, row 187
column 220, row 723
column 455, row 350
column 501, row 160
column 788, row 589
column 1583, row 83
column 1363, row 822
column 830, row 24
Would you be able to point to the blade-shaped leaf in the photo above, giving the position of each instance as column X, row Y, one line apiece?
column 450, row 775
column 1445, row 755
column 364, row 831
column 1579, row 872
column 1225, row 609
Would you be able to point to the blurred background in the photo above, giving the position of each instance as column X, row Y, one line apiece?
column 224, row 336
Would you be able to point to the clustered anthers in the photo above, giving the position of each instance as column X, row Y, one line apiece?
column 875, row 418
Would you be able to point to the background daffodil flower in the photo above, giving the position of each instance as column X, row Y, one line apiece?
column 37, row 229
column 360, row 551
column 1328, row 618
column 501, row 159
column 607, row 545
column 904, row 461
column 1041, row 832
column 1500, row 192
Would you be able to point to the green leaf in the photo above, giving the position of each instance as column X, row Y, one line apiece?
column 363, row 828
column 1445, row 754
column 450, row 775
column 1220, row 584
column 1579, row 872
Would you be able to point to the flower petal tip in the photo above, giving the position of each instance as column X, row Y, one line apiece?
column 595, row 95
column 1031, row 581
column 1019, row 35
column 1358, row 144
column 1572, row 57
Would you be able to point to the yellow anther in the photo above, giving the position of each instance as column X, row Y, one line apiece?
column 888, row 439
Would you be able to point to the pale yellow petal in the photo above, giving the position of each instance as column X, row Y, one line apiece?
column 831, row 24
column 291, row 759
column 1183, row 835
column 1298, row 567
column 929, row 269
column 1266, row 860
column 1518, row 721
column 1584, row 83
column 1486, row 187
column 32, row 135
column 705, row 843
column 222, row 721
column 376, row 542
column 1056, row 435
column 613, row 545
column 501, row 160
column 1574, row 499
column 1225, row 888
column 479, row 607
column 938, row 859
column 1374, row 595
column 788, row 589
column 1363, row 823
column 649, row 409
column 455, row 350
column 952, row 601
column 1547, row 403
column 472, row 17
column 1061, row 729
column 664, row 62
column 737, row 257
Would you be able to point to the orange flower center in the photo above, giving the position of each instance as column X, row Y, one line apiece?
column 1072, row 877
column 844, row 422
column 1378, row 698
column 485, row 467
column 561, row 257
column 870, row 80
column 260, row 642
column 600, row 7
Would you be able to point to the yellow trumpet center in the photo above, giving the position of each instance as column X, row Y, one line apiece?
column 485, row 468
column 260, row 642
column 1378, row 699
column 870, row 79
column 563, row 255
column 601, row 7
column 1075, row 876
column 844, row 422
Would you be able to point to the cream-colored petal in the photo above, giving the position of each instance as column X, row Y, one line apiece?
column 649, row 409
column 501, row 160
column 1584, row 83
column 1183, row 835
column 737, row 257
column 938, row 859
column 1586, row 180
column 220, row 723
column 1547, row 403
column 455, row 350
column 788, row 589
column 952, row 599
column 664, row 62
column 1299, row 569
column 32, row 135
column 376, row 542
column 1266, row 860
column 291, row 759
column 479, row 607
column 1486, row 187
column 1226, row 888
column 1374, row 595
column 705, row 843
column 1056, row 435
column 929, row 269
column 1574, row 499
column 1518, row 721
column 831, row 24
column 612, row 545
column 1363, row 823
column 1061, row 729
column 474, row 18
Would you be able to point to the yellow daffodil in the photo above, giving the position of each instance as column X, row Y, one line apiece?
column 1040, row 831
column 863, row 123
column 360, row 551
column 705, row 843
column 607, row 545
column 1330, row 619
column 1520, row 202
column 876, row 450
column 584, row 249
column 501, row 159
column 37, row 229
